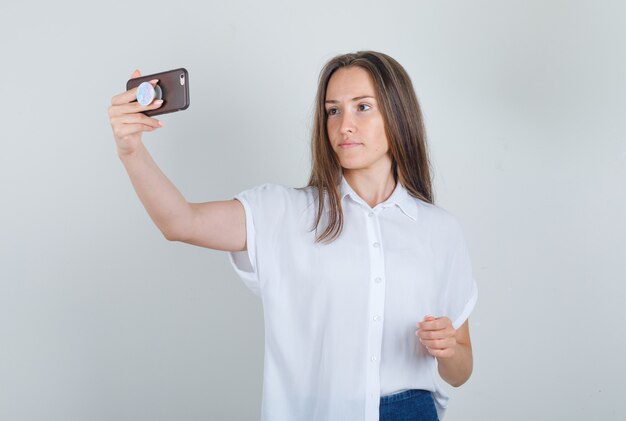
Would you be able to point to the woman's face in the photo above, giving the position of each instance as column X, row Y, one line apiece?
column 354, row 123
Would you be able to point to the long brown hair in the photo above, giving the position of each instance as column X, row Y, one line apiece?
column 404, row 128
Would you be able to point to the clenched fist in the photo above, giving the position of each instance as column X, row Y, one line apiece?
column 438, row 336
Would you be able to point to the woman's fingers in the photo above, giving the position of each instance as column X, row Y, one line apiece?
column 124, row 97
column 135, row 119
column 132, row 108
column 441, row 353
column 123, row 130
column 129, row 124
column 129, row 96
column 435, row 334
column 438, row 343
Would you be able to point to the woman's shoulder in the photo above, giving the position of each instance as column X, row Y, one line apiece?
column 438, row 219
column 278, row 194
column 435, row 212
column 283, row 189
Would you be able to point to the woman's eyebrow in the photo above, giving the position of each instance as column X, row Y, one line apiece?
column 334, row 101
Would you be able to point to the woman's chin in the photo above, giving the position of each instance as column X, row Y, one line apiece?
column 351, row 165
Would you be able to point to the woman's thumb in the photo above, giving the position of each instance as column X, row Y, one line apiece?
column 135, row 74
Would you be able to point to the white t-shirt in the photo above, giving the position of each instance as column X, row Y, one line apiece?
column 340, row 318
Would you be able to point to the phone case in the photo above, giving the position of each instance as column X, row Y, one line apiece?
column 175, row 90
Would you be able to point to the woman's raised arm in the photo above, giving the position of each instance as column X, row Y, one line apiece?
column 219, row 225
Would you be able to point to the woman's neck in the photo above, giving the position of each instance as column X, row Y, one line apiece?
column 372, row 186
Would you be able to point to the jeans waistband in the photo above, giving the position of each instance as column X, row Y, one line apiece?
column 407, row 394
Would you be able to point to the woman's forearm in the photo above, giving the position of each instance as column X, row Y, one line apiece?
column 166, row 206
column 457, row 369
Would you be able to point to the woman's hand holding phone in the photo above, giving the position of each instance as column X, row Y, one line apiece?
column 128, row 121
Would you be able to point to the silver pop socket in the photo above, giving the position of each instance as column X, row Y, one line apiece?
column 146, row 93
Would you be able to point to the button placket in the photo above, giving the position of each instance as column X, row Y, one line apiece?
column 376, row 309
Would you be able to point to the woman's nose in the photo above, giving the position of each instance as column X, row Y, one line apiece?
column 347, row 124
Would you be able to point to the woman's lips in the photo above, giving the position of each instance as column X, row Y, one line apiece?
column 349, row 145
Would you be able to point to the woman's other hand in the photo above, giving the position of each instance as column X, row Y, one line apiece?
column 438, row 336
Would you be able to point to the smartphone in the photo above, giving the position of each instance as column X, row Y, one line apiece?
column 174, row 86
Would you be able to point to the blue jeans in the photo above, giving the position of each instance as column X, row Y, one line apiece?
column 410, row 405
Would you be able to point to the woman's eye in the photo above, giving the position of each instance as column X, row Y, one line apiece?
column 332, row 111
column 364, row 105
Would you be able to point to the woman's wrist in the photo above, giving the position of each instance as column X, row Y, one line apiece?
column 457, row 369
column 125, row 154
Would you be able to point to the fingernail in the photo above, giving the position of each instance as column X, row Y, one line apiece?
column 154, row 81
column 160, row 123
column 158, row 101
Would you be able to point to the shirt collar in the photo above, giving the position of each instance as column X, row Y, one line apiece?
column 400, row 198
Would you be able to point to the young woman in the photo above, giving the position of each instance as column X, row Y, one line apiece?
column 366, row 285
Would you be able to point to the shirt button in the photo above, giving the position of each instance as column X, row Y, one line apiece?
column 378, row 280
column 376, row 244
column 373, row 358
column 371, row 214
column 376, row 318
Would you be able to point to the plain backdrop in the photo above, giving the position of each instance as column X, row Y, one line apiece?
column 102, row 318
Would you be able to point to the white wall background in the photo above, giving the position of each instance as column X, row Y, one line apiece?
column 101, row 318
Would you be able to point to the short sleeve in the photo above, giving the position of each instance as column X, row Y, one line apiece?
column 263, row 206
column 461, row 290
